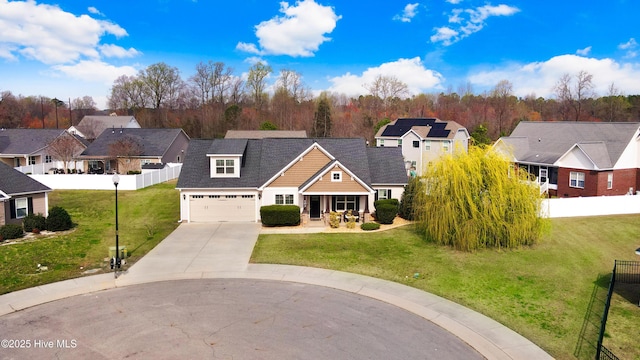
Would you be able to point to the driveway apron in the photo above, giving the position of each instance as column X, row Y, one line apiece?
column 198, row 248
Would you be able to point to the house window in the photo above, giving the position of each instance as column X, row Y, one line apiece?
column 543, row 176
column 345, row 202
column 225, row 166
column 427, row 145
column 21, row 208
column 32, row 160
column 145, row 161
column 610, row 181
column 286, row 199
column 381, row 142
column 383, row 194
column 414, row 164
column 445, row 146
column 416, row 144
column 399, row 142
column 48, row 159
column 336, row 176
column 576, row 179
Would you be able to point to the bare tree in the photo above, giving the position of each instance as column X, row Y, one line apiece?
column 127, row 93
column 503, row 101
column 572, row 98
column 123, row 150
column 161, row 83
column 257, row 83
column 65, row 148
column 387, row 88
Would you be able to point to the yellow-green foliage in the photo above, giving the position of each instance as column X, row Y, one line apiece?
column 334, row 220
column 477, row 200
column 351, row 222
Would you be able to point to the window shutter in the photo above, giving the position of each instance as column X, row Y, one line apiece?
column 12, row 206
column 389, row 194
column 357, row 202
column 30, row 205
column 375, row 198
column 333, row 203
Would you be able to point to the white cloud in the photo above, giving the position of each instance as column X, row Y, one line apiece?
column 584, row 52
column 300, row 32
column 410, row 71
column 408, row 13
column 630, row 46
column 469, row 21
column 110, row 50
column 50, row 35
column 454, row 2
column 539, row 78
column 95, row 71
column 93, row 10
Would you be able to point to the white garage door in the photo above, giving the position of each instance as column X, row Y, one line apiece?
column 215, row 208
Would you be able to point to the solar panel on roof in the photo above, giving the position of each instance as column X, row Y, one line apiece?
column 403, row 125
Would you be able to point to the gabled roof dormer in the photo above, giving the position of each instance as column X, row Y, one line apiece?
column 225, row 157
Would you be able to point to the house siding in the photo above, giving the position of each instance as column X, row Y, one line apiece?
column 595, row 183
column 301, row 171
column 39, row 207
column 3, row 211
column 175, row 153
column 347, row 185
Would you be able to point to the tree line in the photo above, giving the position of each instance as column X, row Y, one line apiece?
column 214, row 99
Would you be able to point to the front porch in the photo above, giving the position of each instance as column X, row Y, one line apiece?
column 316, row 209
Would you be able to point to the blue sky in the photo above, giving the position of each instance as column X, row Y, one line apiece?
column 69, row 48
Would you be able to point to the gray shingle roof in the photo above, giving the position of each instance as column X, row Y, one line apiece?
column 97, row 124
column 546, row 142
column 262, row 134
column 13, row 182
column 264, row 158
column 155, row 142
column 26, row 141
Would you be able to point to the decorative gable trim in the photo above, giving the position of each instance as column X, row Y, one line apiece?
column 299, row 158
column 576, row 148
column 327, row 172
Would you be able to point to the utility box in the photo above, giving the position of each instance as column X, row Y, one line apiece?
column 123, row 251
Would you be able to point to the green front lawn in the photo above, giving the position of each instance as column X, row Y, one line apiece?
column 145, row 216
column 541, row 292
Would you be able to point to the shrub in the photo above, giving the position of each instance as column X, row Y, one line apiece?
column 394, row 202
column 280, row 215
column 34, row 223
column 351, row 222
column 334, row 219
column 414, row 187
column 11, row 231
column 385, row 213
column 134, row 172
column 370, row 226
column 59, row 219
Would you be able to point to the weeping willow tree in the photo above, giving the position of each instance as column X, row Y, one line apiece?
column 478, row 200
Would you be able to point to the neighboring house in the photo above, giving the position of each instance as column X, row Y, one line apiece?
column 230, row 179
column 20, row 147
column 129, row 149
column 572, row 159
column 423, row 140
column 20, row 195
column 262, row 134
column 91, row 126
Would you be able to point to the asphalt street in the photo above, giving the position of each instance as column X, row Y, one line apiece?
column 225, row 319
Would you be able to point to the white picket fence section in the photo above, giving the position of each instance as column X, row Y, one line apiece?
column 105, row 182
column 590, row 206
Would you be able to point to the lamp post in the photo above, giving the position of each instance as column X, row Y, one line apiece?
column 116, row 261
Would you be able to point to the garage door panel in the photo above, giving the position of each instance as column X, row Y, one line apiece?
column 216, row 208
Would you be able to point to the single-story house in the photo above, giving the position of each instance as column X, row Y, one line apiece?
column 423, row 140
column 230, row 179
column 571, row 159
column 20, row 147
column 91, row 126
column 20, row 195
column 130, row 149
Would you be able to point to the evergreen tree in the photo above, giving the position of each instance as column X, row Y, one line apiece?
column 322, row 119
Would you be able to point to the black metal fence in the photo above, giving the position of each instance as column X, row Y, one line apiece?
column 624, row 272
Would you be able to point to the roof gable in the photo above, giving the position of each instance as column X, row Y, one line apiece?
column 91, row 126
column 26, row 141
column 13, row 182
column 155, row 142
column 548, row 142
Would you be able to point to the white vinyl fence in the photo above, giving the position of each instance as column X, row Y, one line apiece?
column 46, row 168
column 105, row 182
column 591, row 206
